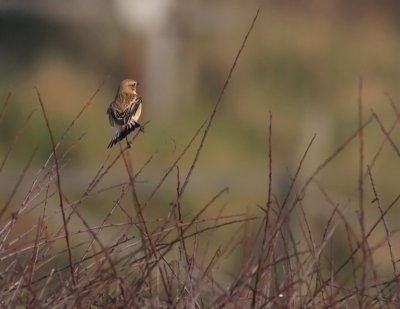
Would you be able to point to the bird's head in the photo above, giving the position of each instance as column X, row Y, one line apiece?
column 128, row 86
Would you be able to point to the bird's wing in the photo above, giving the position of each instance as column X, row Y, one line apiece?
column 123, row 117
column 122, row 133
column 111, row 116
column 135, row 109
column 115, row 116
column 135, row 117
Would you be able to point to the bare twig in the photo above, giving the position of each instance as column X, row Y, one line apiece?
column 361, row 189
column 5, row 104
column 378, row 202
column 60, row 194
column 217, row 104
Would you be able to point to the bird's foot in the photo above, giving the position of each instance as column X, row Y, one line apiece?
column 138, row 125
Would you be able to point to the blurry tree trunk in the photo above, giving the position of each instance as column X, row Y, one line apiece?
column 160, row 22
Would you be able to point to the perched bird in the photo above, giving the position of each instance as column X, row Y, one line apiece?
column 124, row 111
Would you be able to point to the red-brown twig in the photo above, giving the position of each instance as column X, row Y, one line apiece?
column 60, row 194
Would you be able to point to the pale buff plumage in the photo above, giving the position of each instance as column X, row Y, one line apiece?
column 124, row 111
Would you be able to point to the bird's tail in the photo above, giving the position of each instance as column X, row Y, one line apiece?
column 121, row 134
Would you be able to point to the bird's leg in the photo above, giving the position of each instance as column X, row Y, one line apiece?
column 127, row 142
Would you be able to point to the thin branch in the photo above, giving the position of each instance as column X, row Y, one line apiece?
column 361, row 189
column 60, row 194
column 378, row 202
column 6, row 102
column 16, row 138
column 217, row 104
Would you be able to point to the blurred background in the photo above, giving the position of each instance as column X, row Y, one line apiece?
column 302, row 62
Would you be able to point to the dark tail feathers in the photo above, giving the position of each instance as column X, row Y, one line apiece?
column 123, row 133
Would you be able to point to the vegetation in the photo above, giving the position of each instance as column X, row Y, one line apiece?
column 171, row 260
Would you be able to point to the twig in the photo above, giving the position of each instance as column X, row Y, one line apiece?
column 17, row 185
column 361, row 190
column 60, row 194
column 334, row 155
column 6, row 102
column 16, row 138
column 214, row 111
column 292, row 183
column 378, row 202
column 386, row 133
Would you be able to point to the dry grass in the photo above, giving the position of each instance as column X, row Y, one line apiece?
column 160, row 265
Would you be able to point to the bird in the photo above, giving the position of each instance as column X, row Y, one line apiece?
column 124, row 111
